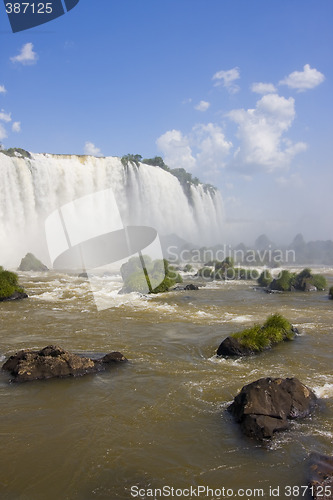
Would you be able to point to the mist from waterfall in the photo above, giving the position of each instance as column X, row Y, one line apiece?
column 32, row 188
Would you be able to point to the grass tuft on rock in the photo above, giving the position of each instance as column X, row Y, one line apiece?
column 276, row 329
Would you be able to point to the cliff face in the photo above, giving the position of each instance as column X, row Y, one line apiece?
column 34, row 185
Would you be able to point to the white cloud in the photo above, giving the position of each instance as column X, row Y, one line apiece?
column 260, row 132
column 3, row 133
column 263, row 88
column 26, row 56
column 16, row 127
column 227, row 79
column 204, row 149
column 176, row 149
column 2, row 89
column 212, row 147
column 202, row 106
column 5, row 117
column 91, row 150
column 307, row 79
column 293, row 181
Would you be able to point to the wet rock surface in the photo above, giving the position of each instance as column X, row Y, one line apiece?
column 15, row 296
column 53, row 361
column 268, row 405
column 321, row 476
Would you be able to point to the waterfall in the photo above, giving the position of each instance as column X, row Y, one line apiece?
column 32, row 188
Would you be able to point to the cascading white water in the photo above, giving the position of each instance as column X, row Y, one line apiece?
column 31, row 189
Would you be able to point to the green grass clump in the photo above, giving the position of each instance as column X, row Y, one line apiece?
column 319, row 281
column 8, row 284
column 265, row 279
column 257, row 338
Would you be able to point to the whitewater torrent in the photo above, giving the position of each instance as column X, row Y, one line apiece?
column 32, row 188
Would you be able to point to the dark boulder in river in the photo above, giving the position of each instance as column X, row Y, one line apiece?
column 15, row 296
column 269, row 404
column 53, row 361
column 321, row 476
column 191, row 286
column 233, row 347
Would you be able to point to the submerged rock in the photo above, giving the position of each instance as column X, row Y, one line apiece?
column 191, row 286
column 53, row 361
column 321, row 476
column 269, row 404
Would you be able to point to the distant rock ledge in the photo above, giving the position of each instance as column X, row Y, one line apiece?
column 53, row 361
column 31, row 263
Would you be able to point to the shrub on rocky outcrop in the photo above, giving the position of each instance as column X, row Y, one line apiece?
column 257, row 338
column 305, row 281
column 9, row 286
column 265, row 278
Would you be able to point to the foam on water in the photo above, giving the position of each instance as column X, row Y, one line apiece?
column 243, row 318
column 219, row 360
column 324, row 391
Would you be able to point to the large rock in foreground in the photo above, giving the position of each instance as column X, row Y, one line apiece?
column 269, row 404
column 321, row 477
column 53, row 361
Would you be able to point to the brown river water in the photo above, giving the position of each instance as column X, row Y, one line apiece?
column 159, row 420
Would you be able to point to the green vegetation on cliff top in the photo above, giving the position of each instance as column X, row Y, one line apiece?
column 185, row 178
column 16, row 152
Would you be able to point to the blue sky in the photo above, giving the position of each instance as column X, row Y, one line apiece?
column 239, row 92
